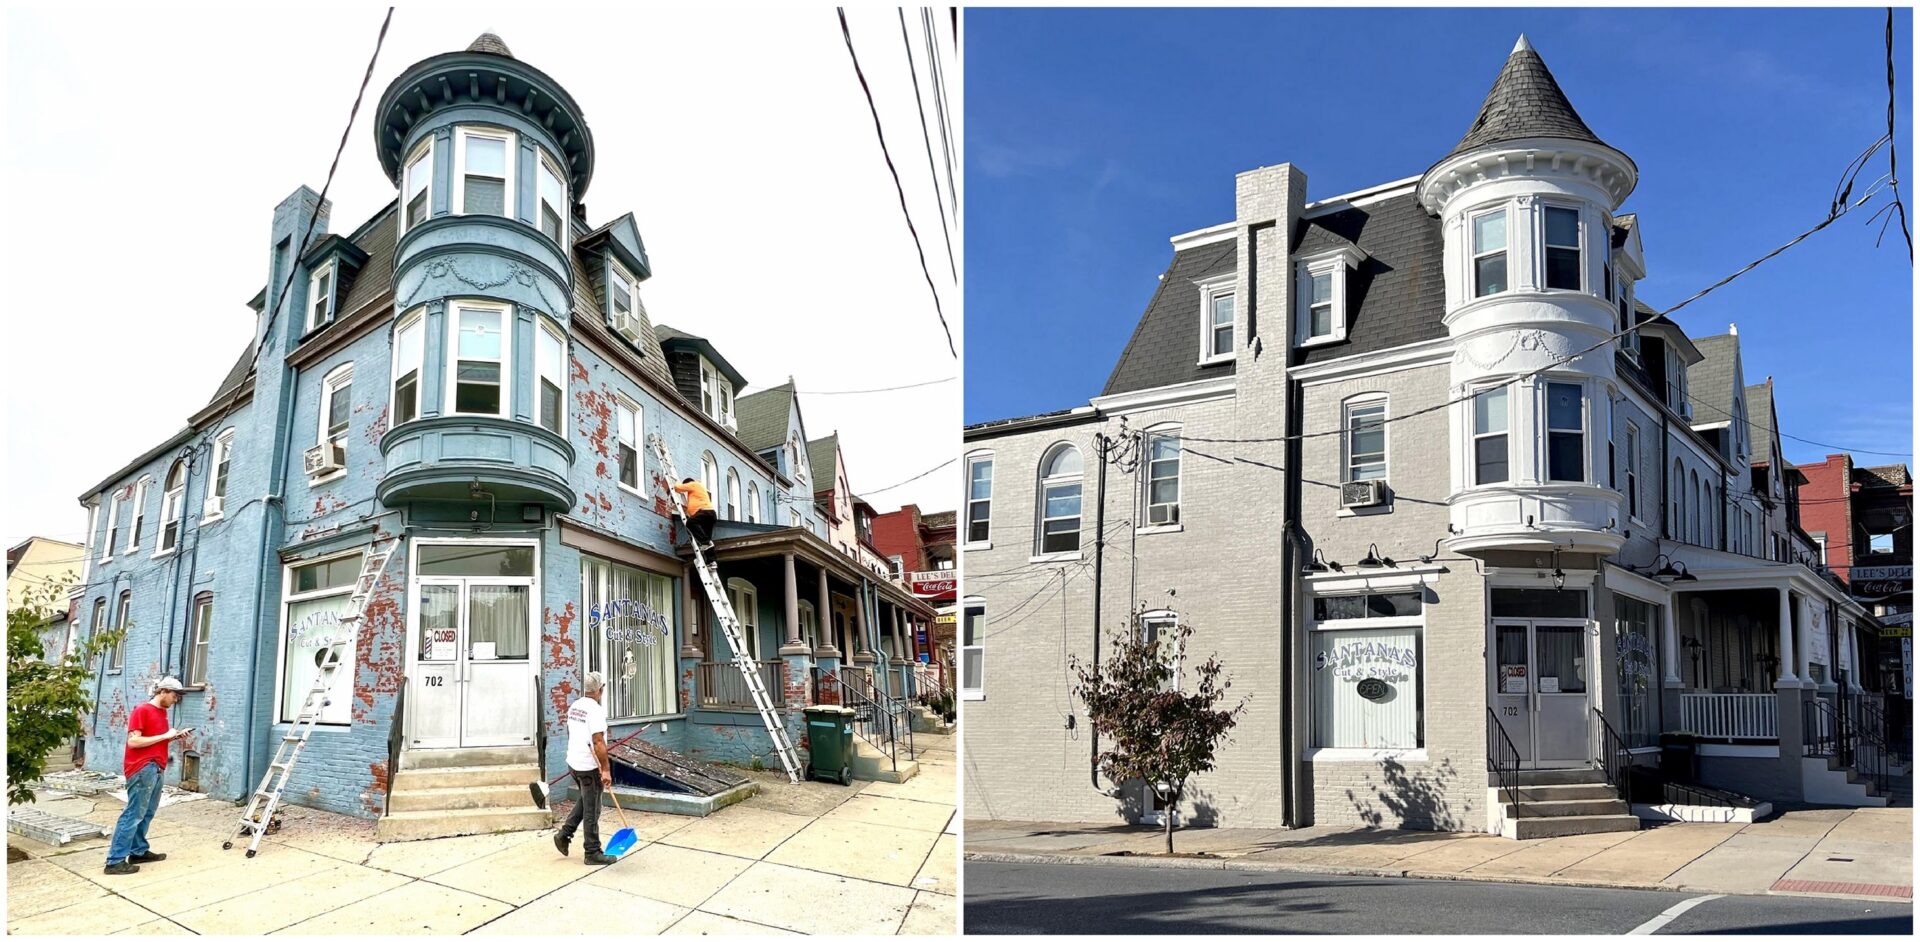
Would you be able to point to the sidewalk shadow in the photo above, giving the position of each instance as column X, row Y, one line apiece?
column 1170, row 912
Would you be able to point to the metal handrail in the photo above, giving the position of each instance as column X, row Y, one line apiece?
column 539, row 727
column 396, row 731
column 1827, row 734
column 883, row 717
column 1615, row 761
column 1503, row 760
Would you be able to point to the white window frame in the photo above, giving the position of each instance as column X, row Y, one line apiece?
column 86, row 557
column 421, row 156
column 122, row 610
column 1336, row 265
column 748, row 614
column 1218, row 287
column 1633, row 472
column 1388, row 586
column 753, row 501
column 966, row 532
column 453, row 358
column 556, row 373
column 287, row 599
column 733, row 494
column 112, row 543
column 1475, row 253
column 339, row 376
column 1165, row 620
column 545, row 168
column 139, row 517
column 1147, row 477
column 1580, row 240
column 709, row 473
column 621, row 407
column 99, row 620
column 1355, row 404
column 979, row 690
column 197, row 647
column 1474, row 435
column 709, row 390
column 1547, row 430
column 618, row 275
column 329, row 272
column 173, row 512
column 461, row 135
column 214, row 505
column 416, row 321
column 1040, row 552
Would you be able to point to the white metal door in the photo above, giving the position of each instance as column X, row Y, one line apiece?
column 472, row 682
column 1540, row 690
column 433, row 687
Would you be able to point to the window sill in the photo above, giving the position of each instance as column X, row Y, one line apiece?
column 1073, row 556
column 212, row 518
column 327, row 478
column 162, row 554
column 977, row 546
column 1336, row 754
column 1216, row 360
column 1321, row 341
column 1375, row 511
column 622, row 485
column 973, row 695
column 1161, row 528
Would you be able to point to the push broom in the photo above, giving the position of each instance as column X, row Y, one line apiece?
column 540, row 789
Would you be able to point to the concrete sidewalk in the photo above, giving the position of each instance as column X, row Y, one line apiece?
column 1862, row 853
column 870, row 859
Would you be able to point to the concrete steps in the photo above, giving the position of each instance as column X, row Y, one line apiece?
column 872, row 765
column 1527, row 829
column 1564, row 802
column 1577, row 806
column 1827, row 782
column 450, row 792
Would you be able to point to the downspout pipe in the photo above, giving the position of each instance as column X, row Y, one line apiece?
column 1292, row 551
column 1100, row 445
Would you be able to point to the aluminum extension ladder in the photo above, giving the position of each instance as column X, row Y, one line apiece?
column 273, row 785
column 730, row 624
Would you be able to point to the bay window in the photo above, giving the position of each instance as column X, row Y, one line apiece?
column 1060, row 478
column 317, row 594
column 1366, row 425
column 1489, row 253
column 481, row 348
column 1163, row 477
column 552, row 191
column 550, row 362
column 1560, row 230
column 483, row 182
column 416, row 186
column 1566, row 432
column 1490, row 420
column 1367, row 655
column 979, row 497
column 630, row 637
column 627, row 437
column 409, row 346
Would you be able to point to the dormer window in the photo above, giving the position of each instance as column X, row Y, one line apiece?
column 716, row 394
column 320, row 297
column 417, row 186
column 1322, row 310
column 483, row 182
column 1489, row 253
column 552, row 211
column 1560, row 227
column 1216, row 319
column 623, row 294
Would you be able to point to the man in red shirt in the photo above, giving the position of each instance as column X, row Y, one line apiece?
column 148, row 735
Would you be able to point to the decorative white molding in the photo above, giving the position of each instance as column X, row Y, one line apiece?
column 1436, row 352
column 1220, row 232
column 1160, row 397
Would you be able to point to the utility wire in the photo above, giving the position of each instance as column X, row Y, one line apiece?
column 859, row 73
column 938, row 74
column 926, row 140
column 862, row 392
column 1893, row 147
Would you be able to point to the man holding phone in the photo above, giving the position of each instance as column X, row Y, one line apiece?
column 149, row 734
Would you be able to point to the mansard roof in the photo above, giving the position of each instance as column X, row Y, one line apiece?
column 1525, row 102
column 1165, row 346
column 1398, row 293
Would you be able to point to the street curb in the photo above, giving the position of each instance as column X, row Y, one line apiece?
column 1188, row 863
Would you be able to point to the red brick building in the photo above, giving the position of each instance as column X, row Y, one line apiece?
column 1860, row 517
column 921, row 549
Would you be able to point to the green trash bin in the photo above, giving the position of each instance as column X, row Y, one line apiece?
column 830, row 743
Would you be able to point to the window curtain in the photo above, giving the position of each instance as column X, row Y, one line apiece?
column 498, row 613
column 639, row 660
column 1345, row 664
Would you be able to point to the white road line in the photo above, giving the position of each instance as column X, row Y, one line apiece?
column 1673, row 912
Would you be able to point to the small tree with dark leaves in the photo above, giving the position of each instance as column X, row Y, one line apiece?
column 45, row 699
column 1160, row 734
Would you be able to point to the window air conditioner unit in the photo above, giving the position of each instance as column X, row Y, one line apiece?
column 1363, row 494
column 215, row 507
column 1163, row 515
column 325, row 459
column 626, row 325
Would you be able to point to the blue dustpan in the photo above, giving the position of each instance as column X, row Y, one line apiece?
column 623, row 839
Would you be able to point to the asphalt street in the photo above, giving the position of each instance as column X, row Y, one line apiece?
column 1092, row 899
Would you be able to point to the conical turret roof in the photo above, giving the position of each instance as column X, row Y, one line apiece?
column 489, row 42
column 1524, row 102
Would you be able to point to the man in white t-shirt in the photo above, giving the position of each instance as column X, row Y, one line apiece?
column 587, row 760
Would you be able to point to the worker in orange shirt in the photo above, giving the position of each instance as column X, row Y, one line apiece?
column 700, row 515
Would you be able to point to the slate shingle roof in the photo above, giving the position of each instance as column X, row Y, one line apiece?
column 945, row 518
column 236, row 374
column 1710, row 381
column 1524, row 102
column 820, row 455
column 488, row 42
column 1397, row 295
column 1885, row 475
column 763, row 417
column 1760, row 417
column 1165, row 346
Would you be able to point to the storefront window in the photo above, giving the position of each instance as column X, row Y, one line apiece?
column 1539, row 603
column 318, row 593
column 1366, row 690
column 1637, row 669
column 630, row 638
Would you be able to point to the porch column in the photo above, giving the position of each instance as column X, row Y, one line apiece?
column 1786, row 678
column 1670, row 640
column 791, row 585
column 1805, row 629
column 865, row 653
column 824, row 617
column 693, row 639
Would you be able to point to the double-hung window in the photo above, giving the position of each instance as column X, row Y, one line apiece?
column 485, row 178
column 1219, row 325
column 1566, row 432
column 622, row 292
column 1489, row 253
column 1160, row 629
column 139, row 513
column 123, row 620
column 99, row 619
column 1366, row 423
column 550, row 359
column 1490, row 421
column 113, row 526
column 171, row 507
column 973, row 650
column 1060, row 478
column 1320, row 305
column 409, row 347
column 336, row 410
column 216, row 502
column 1163, row 477
column 628, row 442
column 202, row 633
column 979, row 497
column 480, row 359
column 1561, row 230
column 1367, row 657
column 709, row 473
column 753, row 501
column 733, row 494
column 320, row 296
column 553, row 200
column 1633, row 470
column 418, row 186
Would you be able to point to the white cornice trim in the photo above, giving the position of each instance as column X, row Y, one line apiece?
column 1435, row 352
column 1198, row 237
column 1200, row 390
column 1363, row 197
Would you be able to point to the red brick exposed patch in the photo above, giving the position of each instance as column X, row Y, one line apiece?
column 324, row 504
column 556, row 634
column 381, row 660
column 373, row 800
column 600, row 469
column 377, row 427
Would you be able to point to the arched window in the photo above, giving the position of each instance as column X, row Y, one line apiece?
column 1059, row 510
column 172, row 505
column 753, row 501
column 1693, row 513
column 139, row 512
column 709, row 473
column 1677, row 502
column 733, row 494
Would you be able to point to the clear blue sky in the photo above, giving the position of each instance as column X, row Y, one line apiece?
column 1094, row 135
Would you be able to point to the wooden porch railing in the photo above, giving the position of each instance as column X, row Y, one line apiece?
column 722, row 688
column 1731, row 715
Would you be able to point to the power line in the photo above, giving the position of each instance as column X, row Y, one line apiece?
column 926, row 139
column 938, row 75
column 911, row 479
column 862, row 392
column 880, row 133
column 1893, row 147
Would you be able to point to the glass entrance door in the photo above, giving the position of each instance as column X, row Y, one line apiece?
column 1540, row 690
column 471, row 682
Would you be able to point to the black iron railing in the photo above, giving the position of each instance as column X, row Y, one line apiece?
column 396, row 731
column 1503, row 763
column 1610, row 750
column 1830, row 732
column 539, row 726
column 883, row 722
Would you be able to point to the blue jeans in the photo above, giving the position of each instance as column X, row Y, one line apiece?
column 143, row 799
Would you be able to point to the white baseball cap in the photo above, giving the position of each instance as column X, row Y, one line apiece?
column 168, row 682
